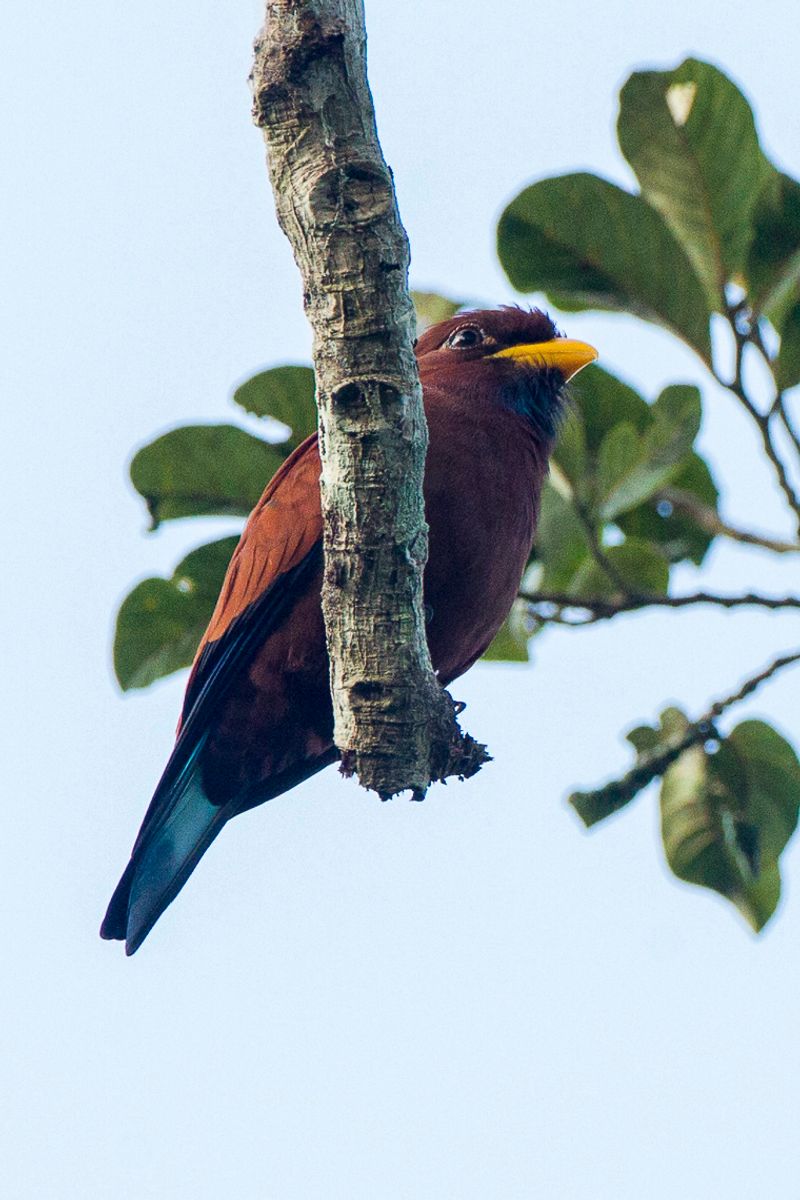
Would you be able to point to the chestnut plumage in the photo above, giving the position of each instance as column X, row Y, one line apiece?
column 257, row 715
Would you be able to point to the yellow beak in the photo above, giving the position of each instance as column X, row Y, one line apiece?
column 566, row 356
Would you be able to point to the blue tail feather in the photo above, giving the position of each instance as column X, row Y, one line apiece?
column 167, row 851
column 170, row 856
column 181, row 822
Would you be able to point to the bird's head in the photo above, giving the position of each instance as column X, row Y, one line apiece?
column 514, row 357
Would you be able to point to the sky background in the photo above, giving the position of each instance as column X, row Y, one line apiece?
column 467, row 998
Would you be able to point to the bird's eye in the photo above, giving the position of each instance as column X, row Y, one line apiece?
column 465, row 338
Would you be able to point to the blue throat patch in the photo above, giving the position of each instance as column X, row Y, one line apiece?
column 539, row 395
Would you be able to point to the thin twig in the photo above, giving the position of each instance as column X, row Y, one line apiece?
column 709, row 519
column 778, row 406
column 750, row 685
column 603, row 608
column 595, row 806
column 762, row 420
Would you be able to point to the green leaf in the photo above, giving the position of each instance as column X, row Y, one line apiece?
column 772, row 774
column 728, row 808
column 690, row 136
column 599, row 401
column 772, row 270
column 726, row 817
column 787, row 366
column 679, row 407
column 678, row 537
column 601, row 803
column 644, row 738
column 640, row 566
column 615, row 455
column 631, row 469
column 673, row 723
column 510, row 643
column 561, row 544
column 693, row 837
column 284, row 393
column 602, row 401
column 161, row 622
column 620, row 454
column 589, row 244
column 431, row 308
column 203, row 470
column 758, row 903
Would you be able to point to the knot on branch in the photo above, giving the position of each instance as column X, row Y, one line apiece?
column 367, row 408
column 282, row 63
column 350, row 401
column 357, row 192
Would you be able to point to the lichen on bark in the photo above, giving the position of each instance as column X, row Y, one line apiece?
column 394, row 724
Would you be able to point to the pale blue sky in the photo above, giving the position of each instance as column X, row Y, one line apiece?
column 467, row 998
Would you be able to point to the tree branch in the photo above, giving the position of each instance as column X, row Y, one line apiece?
column 778, row 406
column 604, row 608
column 394, row 724
column 709, row 519
column 743, row 335
column 597, row 805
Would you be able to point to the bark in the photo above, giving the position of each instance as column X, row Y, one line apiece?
column 394, row 724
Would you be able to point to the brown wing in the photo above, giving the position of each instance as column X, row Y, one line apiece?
column 282, row 529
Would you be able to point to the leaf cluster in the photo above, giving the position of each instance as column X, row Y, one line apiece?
column 712, row 212
column 714, row 231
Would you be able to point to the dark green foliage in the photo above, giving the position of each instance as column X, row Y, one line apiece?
column 772, row 270
column 635, row 566
column 285, row 394
column 728, row 805
column 690, row 137
column 715, row 229
column 678, row 537
column 562, row 544
column 713, row 211
column 787, row 372
column 633, row 466
column 162, row 620
column 203, row 470
column 589, row 244
column 615, row 456
column 726, row 816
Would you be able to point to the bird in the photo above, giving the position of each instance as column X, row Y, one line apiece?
column 257, row 717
